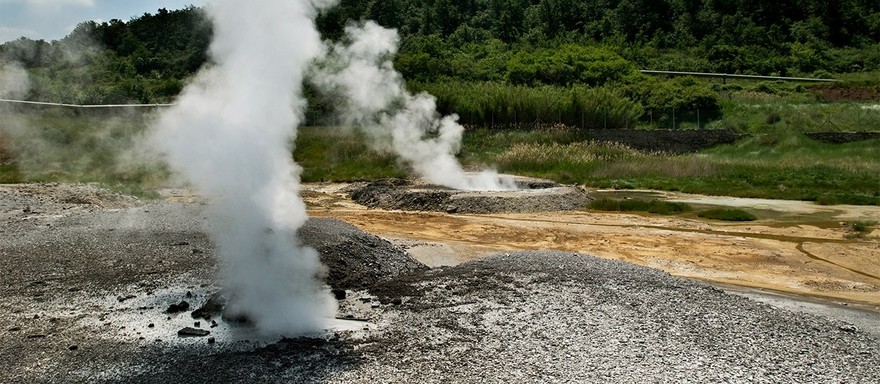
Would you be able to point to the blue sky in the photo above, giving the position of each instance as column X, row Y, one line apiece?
column 54, row 19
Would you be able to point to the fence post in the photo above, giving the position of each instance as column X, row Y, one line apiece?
column 673, row 118
column 699, row 126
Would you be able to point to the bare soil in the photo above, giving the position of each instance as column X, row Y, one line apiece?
column 796, row 247
column 832, row 93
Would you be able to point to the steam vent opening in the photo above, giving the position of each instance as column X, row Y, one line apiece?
column 530, row 195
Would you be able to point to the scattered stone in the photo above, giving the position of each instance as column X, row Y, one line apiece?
column 213, row 323
column 213, row 306
column 196, row 251
column 14, row 329
column 73, row 347
column 339, row 294
column 212, row 340
column 151, row 325
column 177, row 308
column 197, row 324
column 192, row 332
column 37, row 336
column 124, row 298
column 849, row 328
column 180, row 244
column 189, row 294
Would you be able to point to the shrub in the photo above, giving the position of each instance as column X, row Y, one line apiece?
column 568, row 65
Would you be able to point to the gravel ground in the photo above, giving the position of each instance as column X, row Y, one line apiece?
column 539, row 196
column 85, row 293
column 355, row 259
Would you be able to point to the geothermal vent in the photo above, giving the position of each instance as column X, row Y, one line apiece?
column 531, row 195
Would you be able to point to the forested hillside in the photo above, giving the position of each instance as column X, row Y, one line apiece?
column 561, row 43
column 736, row 36
column 143, row 60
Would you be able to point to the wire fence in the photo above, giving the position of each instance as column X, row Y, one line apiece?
column 812, row 117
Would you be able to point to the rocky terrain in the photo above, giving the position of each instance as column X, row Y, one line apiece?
column 536, row 195
column 93, row 290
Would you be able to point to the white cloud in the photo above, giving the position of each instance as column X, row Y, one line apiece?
column 56, row 4
column 11, row 33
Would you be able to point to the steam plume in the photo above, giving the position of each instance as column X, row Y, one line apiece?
column 230, row 134
column 361, row 71
column 14, row 81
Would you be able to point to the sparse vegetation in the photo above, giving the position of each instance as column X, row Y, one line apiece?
column 727, row 214
column 635, row 205
column 860, row 228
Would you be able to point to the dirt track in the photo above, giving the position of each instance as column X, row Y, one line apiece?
column 796, row 247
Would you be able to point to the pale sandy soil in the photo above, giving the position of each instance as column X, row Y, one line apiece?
column 796, row 247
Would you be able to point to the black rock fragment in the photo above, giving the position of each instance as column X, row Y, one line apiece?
column 212, row 307
column 177, row 308
column 192, row 332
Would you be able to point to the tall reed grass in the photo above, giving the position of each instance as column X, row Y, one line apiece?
column 499, row 105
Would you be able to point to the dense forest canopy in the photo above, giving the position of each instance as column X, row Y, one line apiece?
column 516, row 42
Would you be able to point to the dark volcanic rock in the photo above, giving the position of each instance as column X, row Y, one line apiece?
column 355, row 259
column 212, row 307
column 192, row 332
column 177, row 308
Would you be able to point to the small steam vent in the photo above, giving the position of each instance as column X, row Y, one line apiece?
column 523, row 195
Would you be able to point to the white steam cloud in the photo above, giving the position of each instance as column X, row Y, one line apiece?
column 14, row 81
column 361, row 71
column 230, row 134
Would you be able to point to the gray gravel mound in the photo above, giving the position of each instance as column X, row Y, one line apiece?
column 402, row 195
column 355, row 259
column 19, row 201
column 562, row 317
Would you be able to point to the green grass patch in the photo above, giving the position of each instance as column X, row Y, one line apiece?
column 727, row 214
column 58, row 145
column 9, row 174
column 342, row 154
column 632, row 205
column 784, row 165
